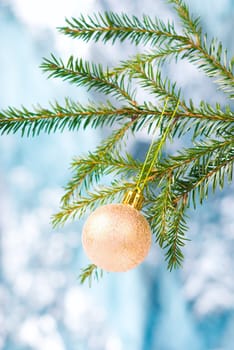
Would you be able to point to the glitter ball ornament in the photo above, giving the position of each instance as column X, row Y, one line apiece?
column 117, row 237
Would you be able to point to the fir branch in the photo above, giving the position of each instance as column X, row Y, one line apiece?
column 112, row 26
column 73, row 116
column 100, row 196
column 161, row 211
column 195, row 156
column 176, row 236
column 93, row 76
column 185, row 121
column 182, row 163
column 150, row 79
column 208, row 127
column 159, row 56
column 201, row 114
column 188, row 168
column 113, row 162
column 90, row 273
column 168, row 223
column 166, row 212
column 191, row 25
column 98, row 163
column 211, row 58
column 176, row 181
column 210, row 173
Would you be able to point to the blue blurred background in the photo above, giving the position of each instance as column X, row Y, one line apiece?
column 42, row 305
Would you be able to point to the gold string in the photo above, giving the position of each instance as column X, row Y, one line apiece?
column 140, row 185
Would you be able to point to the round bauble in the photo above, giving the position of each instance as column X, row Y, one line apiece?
column 116, row 237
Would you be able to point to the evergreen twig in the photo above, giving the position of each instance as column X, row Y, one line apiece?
column 176, row 181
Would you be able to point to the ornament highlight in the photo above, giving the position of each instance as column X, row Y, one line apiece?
column 117, row 237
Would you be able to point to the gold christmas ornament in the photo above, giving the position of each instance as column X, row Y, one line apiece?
column 117, row 237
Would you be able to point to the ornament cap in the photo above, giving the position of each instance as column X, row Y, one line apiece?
column 134, row 198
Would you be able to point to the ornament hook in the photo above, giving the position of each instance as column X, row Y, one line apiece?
column 134, row 198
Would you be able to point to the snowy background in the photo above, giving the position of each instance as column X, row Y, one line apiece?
column 42, row 305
